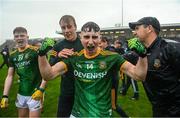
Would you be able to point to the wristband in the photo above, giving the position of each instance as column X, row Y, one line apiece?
column 41, row 89
column 4, row 96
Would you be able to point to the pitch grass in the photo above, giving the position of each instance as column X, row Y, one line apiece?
column 134, row 108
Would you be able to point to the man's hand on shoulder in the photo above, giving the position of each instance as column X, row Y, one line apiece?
column 65, row 53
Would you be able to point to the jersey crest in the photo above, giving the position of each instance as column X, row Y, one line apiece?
column 102, row 65
column 157, row 63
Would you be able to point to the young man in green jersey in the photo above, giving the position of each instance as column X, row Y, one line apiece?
column 92, row 69
column 24, row 60
column 61, row 49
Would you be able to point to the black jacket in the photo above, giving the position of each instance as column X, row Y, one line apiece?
column 162, row 83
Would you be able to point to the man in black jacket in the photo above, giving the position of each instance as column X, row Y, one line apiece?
column 162, row 83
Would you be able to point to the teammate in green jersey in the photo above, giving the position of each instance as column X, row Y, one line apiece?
column 24, row 60
column 92, row 68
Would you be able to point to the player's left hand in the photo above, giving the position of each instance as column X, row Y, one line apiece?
column 47, row 45
column 135, row 45
column 38, row 94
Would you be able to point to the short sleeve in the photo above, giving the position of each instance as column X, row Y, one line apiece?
column 11, row 64
column 53, row 57
column 119, row 61
column 68, row 62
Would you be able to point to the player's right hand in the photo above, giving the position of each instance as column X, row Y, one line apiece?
column 4, row 102
column 46, row 45
column 135, row 45
column 65, row 53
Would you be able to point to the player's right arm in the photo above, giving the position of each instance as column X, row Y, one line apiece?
column 48, row 72
column 7, row 86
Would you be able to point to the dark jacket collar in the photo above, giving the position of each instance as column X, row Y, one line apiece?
column 154, row 44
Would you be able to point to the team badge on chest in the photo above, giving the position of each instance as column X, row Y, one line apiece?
column 102, row 65
column 26, row 56
column 157, row 63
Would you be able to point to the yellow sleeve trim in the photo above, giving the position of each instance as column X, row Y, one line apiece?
column 13, row 52
column 123, row 65
column 33, row 47
column 106, row 52
column 65, row 66
column 53, row 53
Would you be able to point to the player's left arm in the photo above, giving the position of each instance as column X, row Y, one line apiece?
column 137, row 72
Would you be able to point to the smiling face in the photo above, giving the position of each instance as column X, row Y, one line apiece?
column 68, row 29
column 90, row 41
column 21, row 39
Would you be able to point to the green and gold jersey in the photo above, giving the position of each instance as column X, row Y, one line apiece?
column 93, row 82
column 25, row 64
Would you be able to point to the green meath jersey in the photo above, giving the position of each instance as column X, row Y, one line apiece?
column 25, row 64
column 93, row 82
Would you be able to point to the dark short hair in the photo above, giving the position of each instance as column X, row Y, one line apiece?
column 67, row 19
column 19, row 30
column 90, row 26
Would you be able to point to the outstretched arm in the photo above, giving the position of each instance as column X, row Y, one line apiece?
column 48, row 72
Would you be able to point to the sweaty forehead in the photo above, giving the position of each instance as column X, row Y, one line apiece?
column 89, row 29
column 20, row 33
